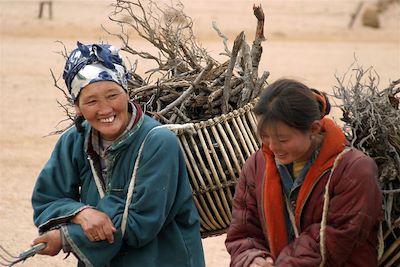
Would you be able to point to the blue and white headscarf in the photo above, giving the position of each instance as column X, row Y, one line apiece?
column 92, row 63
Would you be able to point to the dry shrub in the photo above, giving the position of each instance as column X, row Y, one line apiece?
column 371, row 119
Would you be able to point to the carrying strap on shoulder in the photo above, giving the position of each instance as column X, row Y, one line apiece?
column 322, row 242
column 132, row 183
column 131, row 187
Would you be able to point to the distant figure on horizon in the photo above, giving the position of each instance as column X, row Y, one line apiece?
column 49, row 5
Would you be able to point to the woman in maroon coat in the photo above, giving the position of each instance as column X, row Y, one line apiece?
column 305, row 198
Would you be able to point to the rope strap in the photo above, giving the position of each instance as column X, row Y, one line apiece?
column 172, row 127
column 292, row 218
column 322, row 243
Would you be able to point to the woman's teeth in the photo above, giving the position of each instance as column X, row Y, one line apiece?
column 107, row 120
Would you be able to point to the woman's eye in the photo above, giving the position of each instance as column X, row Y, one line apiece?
column 91, row 102
column 112, row 96
column 265, row 138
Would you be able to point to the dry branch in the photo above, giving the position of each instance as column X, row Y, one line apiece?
column 191, row 84
column 187, row 92
column 372, row 124
column 237, row 44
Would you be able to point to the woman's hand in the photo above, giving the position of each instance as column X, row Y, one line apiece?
column 262, row 262
column 96, row 225
column 53, row 242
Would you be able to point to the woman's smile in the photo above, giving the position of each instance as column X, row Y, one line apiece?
column 108, row 120
column 104, row 105
column 280, row 155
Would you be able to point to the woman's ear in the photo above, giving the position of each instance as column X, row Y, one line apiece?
column 77, row 110
column 316, row 127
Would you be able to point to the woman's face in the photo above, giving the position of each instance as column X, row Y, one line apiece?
column 104, row 105
column 289, row 144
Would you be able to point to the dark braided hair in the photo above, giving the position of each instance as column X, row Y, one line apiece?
column 78, row 124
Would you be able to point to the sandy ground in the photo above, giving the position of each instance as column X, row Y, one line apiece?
column 308, row 40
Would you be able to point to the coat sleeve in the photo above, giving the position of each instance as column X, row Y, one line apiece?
column 161, row 190
column 245, row 238
column 354, row 211
column 55, row 197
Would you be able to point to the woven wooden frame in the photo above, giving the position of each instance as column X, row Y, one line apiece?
column 215, row 152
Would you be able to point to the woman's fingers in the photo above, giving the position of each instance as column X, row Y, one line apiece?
column 269, row 260
column 109, row 233
column 262, row 262
column 103, row 231
column 100, row 234
column 37, row 240
column 92, row 236
column 106, row 232
column 96, row 225
column 53, row 242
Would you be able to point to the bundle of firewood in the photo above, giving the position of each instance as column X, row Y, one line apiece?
column 187, row 83
column 372, row 124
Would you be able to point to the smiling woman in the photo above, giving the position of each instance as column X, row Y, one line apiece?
column 305, row 198
column 84, row 200
column 103, row 105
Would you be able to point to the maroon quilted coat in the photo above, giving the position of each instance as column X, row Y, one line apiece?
column 258, row 227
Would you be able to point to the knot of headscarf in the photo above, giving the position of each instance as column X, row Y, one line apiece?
column 92, row 63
